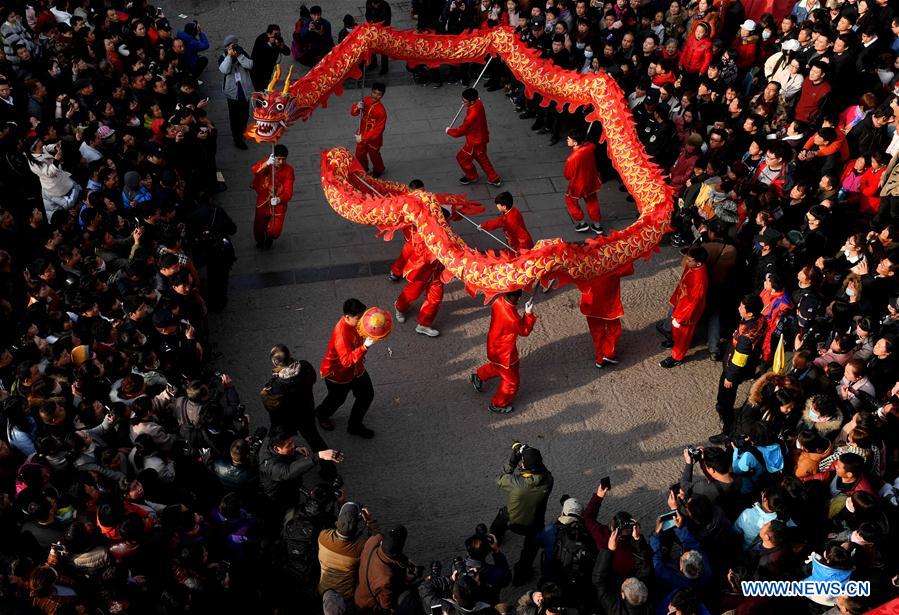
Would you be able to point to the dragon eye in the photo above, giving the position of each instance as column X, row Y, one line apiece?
column 280, row 106
column 262, row 103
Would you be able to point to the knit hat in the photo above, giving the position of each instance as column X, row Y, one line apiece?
column 726, row 210
column 794, row 237
column 104, row 132
column 81, row 354
column 230, row 39
column 131, row 179
column 532, row 459
column 394, row 541
column 348, row 520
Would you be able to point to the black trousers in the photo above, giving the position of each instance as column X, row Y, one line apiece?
column 238, row 114
column 363, row 394
column 529, row 549
column 888, row 212
column 726, row 400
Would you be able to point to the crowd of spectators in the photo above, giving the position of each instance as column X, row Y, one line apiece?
column 131, row 482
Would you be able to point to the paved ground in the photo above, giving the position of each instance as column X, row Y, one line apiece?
column 437, row 448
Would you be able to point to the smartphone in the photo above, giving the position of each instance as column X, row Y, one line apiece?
column 605, row 482
column 667, row 520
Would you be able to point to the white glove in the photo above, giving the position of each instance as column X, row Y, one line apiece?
column 368, row 342
column 270, row 161
column 275, row 201
column 447, row 130
column 358, row 138
column 675, row 324
column 529, row 306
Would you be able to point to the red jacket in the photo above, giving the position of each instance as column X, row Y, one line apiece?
column 506, row 324
column 581, row 172
column 601, row 296
column 262, row 183
column 512, row 223
column 372, row 123
column 696, row 56
column 747, row 50
column 473, row 127
column 688, row 298
column 775, row 305
column 344, row 359
column 870, row 190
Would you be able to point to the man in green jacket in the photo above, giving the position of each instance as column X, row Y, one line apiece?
column 527, row 484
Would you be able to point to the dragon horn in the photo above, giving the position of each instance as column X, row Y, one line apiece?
column 275, row 76
column 287, row 81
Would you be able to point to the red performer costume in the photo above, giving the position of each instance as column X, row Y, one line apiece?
column 506, row 324
column 601, row 304
column 370, row 136
column 271, row 210
column 688, row 301
column 583, row 182
column 477, row 136
column 422, row 277
column 512, row 223
column 399, row 265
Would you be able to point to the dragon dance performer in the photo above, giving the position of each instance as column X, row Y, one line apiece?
column 601, row 304
column 506, row 324
column 477, row 136
column 583, row 183
column 688, row 301
column 370, row 136
column 274, row 189
column 343, row 370
column 512, row 223
column 396, row 269
column 423, row 273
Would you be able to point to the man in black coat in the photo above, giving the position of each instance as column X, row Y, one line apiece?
column 631, row 598
column 378, row 11
column 267, row 52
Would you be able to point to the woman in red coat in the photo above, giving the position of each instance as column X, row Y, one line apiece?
column 583, row 183
column 271, row 205
column 601, row 304
column 506, row 324
column 697, row 53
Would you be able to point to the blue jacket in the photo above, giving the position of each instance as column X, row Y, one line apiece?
column 193, row 46
column 823, row 572
column 668, row 573
column 750, row 523
column 747, row 465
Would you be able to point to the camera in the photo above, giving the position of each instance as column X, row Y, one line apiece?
column 254, row 442
column 337, row 487
column 695, row 452
column 482, row 532
column 626, row 527
column 58, row 549
column 436, row 568
column 518, row 447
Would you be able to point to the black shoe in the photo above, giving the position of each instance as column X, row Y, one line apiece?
column 477, row 383
column 669, row 363
column 660, row 327
column 608, row 361
column 490, row 86
column 667, row 343
column 377, row 174
column 519, row 108
column 581, row 227
column 677, row 241
column 360, row 430
column 716, row 356
column 393, row 277
column 437, row 84
column 500, row 409
column 597, row 228
column 240, row 145
column 537, row 126
column 720, row 438
column 259, row 245
column 597, row 365
column 372, row 66
column 496, row 183
column 527, row 115
column 465, row 181
column 543, row 131
column 622, row 188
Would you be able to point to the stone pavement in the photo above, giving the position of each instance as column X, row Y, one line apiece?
column 438, row 449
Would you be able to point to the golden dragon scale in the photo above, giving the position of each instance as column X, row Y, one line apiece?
column 489, row 272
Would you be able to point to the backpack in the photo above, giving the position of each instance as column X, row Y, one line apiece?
column 299, row 539
column 574, row 551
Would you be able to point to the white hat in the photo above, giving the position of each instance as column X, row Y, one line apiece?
column 748, row 25
column 790, row 45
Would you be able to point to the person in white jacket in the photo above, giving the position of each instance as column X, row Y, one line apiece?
column 58, row 189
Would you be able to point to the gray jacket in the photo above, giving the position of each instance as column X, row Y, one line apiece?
column 230, row 69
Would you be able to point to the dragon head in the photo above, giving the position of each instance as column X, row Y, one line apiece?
column 274, row 110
